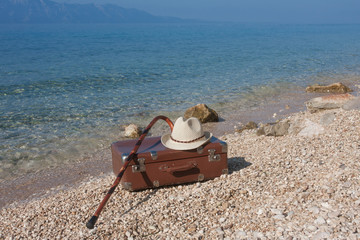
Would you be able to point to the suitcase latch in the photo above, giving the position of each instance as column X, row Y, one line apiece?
column 154, row 155
column 213, row 157
column 124, row 156
column 140, row 167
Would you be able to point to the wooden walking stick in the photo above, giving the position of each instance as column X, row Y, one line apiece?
column 90, row 224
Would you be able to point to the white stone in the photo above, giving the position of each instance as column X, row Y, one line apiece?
column 320, row 221
column 260, row 211
column 151, row 227
column 240, row 234
column 321, row 235
column 352, row 104
column 327, row 118
column 290, row 214
column 219, row 231
column 132, row 131
column 279, row 217
column 314, row 210
column 328, row 102
column 276, row 211
column 334, row 214
column 312, row 228
column 258, row 235
column 326, row 205
column 311, row 129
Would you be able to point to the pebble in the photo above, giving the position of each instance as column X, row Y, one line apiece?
column 260, row 211
column 320, row 221
column 312, row 228
column 314, row 210
column 279, row 217
column 290, row 214
column 334, row 214
column 219, row 231
column 153, row 228
column 326, row 205
column 321, row 235
column 225, row 205
column 240, row 234
column 276, row 211
column 258, row 235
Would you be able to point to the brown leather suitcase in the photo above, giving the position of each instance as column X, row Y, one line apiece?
column 155, row 165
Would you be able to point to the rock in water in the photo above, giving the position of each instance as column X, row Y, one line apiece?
column 203, row 113
column 332, row 88
column 328, row 102
column 132, row 131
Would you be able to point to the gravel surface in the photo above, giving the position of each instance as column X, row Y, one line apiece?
column 296, row 186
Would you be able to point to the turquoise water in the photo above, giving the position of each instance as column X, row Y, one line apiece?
column 66, row 89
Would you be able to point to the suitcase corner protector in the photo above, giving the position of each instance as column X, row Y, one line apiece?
column 224, row 146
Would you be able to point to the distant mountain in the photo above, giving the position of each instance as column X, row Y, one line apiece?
column 46, row 11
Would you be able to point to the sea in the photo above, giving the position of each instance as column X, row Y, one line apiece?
column 67, row 90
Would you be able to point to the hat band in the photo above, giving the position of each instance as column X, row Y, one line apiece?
column 178, row 141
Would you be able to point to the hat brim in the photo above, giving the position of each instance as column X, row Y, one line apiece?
column 169, row 143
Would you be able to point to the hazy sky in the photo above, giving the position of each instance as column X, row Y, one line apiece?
column 277, row 11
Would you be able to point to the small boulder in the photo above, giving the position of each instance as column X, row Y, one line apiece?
column 328, row 102
column 249, row 125
column 203, row 113
column 311, row 129
column 295, row 127
column 332, row 88
column 275, row 129
column 353, row 104
column 327, row 118
column 132, row 131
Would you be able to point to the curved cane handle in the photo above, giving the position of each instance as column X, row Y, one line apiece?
column 91, row 223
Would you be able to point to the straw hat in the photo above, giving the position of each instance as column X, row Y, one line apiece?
column 187, row 134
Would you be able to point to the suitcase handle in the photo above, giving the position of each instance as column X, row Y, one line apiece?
column 188, row 166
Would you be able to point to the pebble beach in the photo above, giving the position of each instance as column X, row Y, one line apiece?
column 296, row 186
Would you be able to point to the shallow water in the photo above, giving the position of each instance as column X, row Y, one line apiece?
column 65, row 90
